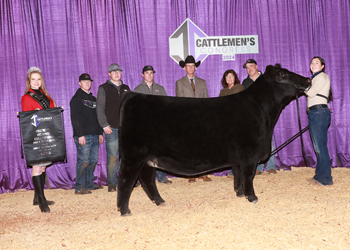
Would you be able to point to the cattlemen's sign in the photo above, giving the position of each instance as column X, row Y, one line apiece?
column 189, row 39
column 228, row 47
column 221, row 41
column 43, row 135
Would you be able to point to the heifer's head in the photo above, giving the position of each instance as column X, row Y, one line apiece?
column 276, row 74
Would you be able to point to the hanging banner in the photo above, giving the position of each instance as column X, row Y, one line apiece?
column 43, row 135
column 189, row 39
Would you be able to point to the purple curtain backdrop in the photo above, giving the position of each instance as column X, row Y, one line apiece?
column 66, row 38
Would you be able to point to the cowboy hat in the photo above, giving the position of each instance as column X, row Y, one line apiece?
column 189, row 59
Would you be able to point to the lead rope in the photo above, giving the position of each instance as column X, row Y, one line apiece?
column 301, row 136
column 289, row 140
column 301, row 131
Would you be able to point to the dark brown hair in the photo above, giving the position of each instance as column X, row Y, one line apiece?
column 223, row 80
column 322, row 62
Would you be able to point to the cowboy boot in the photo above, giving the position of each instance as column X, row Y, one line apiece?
column 40, row 194
column 35, row 200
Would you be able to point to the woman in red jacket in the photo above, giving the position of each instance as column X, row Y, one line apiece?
column 36, row 97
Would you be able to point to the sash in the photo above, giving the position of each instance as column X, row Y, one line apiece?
column 40, row 100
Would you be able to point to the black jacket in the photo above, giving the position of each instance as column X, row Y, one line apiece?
column 109, row 98
column 248, row 81
column 83, row 114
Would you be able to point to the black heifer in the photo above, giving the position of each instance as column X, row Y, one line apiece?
column 190, row 136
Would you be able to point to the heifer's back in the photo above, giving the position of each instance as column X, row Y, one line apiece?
column 192, row 136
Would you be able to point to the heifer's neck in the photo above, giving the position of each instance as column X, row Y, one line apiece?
column 283, row 95
column 276, row 96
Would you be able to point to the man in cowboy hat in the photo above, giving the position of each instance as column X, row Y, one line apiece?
column 191, row 86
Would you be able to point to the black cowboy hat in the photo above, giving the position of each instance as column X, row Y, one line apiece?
column 189, row 59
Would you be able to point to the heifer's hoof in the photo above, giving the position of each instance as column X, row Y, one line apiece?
column 255, row 201
column 127, row 212
column 239, row 194
column 159, row 203
column 252, row 199
column 124, row 215
column 162, row 204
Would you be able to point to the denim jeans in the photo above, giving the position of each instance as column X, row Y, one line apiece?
column 161, row 176
column 112, row 148
column 271, row 163
column 319, row 121
column 87, row 157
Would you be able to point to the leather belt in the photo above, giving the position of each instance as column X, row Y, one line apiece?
column 318, row 106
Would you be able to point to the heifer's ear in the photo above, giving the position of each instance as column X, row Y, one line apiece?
column 277, row 65
column 270, row 73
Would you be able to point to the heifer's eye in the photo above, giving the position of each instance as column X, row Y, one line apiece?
column 283, row 75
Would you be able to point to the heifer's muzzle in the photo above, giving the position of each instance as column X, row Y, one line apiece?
column 304, row 88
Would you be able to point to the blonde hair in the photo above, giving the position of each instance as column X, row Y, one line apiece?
column 42, row 87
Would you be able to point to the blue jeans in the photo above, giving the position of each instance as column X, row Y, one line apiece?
column 112, row 148
column 319, row 121
column 87, row 157
column 271, row 163
column 161, row 176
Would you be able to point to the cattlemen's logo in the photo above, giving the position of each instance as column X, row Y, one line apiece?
column 188, row 39
column 37, row 120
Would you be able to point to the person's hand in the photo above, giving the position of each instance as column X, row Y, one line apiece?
column 37, row 109
column 82, row 140
column 108, row 130
column 100, row 139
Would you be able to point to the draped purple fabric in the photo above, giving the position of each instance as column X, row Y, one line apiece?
column 66, row 38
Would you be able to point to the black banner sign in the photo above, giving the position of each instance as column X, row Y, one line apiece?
column 43, row 135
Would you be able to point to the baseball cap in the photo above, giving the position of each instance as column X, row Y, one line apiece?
column 85, row 76
column 114, row 67
column 249, row 61
column 148, row 67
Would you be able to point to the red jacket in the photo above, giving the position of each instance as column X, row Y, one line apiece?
column 29, row 104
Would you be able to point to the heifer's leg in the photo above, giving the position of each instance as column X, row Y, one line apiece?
column 237, row 181
column 148, row 183
column 248, row 177
column 128, row 174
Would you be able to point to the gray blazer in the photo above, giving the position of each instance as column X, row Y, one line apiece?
column 184, row 88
